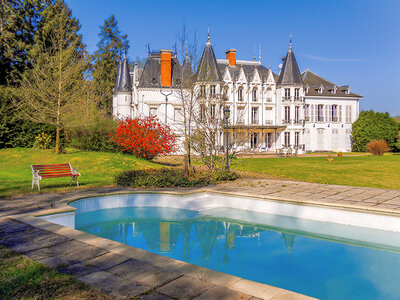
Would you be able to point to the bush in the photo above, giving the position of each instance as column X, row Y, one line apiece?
column 170, row 178
column 374, row 126
column 94, row 137
column 42, row 141
column 144, row 137
column 377, row 147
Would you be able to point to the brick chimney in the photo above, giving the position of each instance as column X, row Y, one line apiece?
column 166, row 71
column 231, row 56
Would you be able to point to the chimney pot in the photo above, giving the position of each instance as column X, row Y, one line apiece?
column 231, row 56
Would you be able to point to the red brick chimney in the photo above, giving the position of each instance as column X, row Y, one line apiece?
column 231, row 56
column 166, row 71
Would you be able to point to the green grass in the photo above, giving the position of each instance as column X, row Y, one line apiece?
column 96, row 168
column 365, row 171
column 23, row 278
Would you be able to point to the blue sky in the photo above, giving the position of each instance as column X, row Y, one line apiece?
column 355, row 42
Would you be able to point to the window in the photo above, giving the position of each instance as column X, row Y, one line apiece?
column 312, row 113
column 296, row 139
column 287, row 93
column 254, row 115
column 268, row 140
column 334, row 113
column 153, row 112
column 254, row 95
column 202, row 112
column 178, row 117
column 348, row 113
column 212, row 110
column 226, row 90
column 307, row 112
column 296, row 93
column 320, row 89
column 240, row 115
column 254, row 140
column 202, row 90
column 320, row 113
column 348, row 138
column 297, row 114
column 287, row 114
column 212, row 91
column 240, row 94
column 287, row 139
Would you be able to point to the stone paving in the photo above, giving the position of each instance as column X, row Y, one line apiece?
column 127, row 272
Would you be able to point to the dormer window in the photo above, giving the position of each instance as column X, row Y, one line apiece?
column 320, row 89
column 307, row 88
column 345, row 89
column 331, row 88
column 254, row 95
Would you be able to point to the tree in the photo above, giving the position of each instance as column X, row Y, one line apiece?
column 112, row 46
column 372, row 125
column 144, row 137
column 19, row 21
column 53, row 87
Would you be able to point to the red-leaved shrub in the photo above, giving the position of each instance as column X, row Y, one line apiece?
column 377, row 147
column 144, row 137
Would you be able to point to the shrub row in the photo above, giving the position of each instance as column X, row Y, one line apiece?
column 171, row 178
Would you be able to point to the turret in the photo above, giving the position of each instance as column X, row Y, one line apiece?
column 122, row 98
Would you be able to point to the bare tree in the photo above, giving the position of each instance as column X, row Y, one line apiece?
column 188, row 51
column 52, row 88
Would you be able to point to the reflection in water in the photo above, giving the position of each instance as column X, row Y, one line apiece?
column 313, row 266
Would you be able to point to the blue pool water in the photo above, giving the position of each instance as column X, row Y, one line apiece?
column 318, row 265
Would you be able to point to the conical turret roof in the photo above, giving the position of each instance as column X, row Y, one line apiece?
column 117, row 80
column 290, row 73
column 125, row 84
column 208, row 70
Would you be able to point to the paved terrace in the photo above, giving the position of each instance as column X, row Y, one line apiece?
column 126, row 272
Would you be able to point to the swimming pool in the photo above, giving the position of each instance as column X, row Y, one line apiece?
column 320, row 259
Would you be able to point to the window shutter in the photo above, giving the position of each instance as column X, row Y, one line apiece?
column 340, row 113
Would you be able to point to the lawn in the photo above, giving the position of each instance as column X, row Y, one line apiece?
column 366, row 171
column 23, row 278
column 96, row 168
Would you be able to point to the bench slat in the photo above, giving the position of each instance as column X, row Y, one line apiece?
column 56, row 165
column 56, row 175
column 47, row 168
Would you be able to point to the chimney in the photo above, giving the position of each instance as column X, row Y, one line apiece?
column 165, row 67
column 231, row 56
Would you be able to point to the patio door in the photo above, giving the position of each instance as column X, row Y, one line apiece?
column 254, row 141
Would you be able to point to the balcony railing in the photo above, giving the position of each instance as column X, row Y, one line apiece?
column 297, row 121
column 285, row 121
column 268, row 122
column 254, row 121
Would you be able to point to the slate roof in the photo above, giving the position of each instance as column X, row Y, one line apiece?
column 290, row 73
column 208, row 70
column 314, row 81
column 248, row 69
column 118, row 77
column 151, row 75
column 124, row 78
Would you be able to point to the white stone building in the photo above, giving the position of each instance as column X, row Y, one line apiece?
column 270, row 112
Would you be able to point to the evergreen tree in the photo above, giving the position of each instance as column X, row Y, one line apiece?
column 372, row 125
column 19, row 21
column 111, row 47
column 53, row 87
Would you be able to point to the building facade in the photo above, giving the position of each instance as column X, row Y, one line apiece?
column 289, row 111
